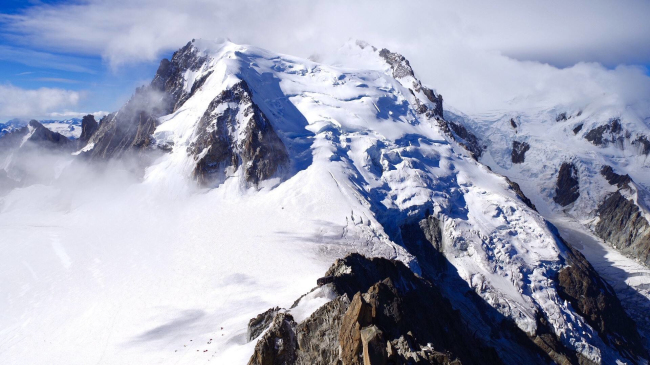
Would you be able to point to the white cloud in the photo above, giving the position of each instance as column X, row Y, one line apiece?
column 73, row 114
column 563, row 32
column 473, row 52
column 16, row 102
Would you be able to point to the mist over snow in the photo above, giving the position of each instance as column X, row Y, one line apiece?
column 282, row 136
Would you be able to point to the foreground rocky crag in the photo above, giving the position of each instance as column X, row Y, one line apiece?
column 383, row 313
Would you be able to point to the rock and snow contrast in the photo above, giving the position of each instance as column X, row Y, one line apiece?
column 226, row 188
column 586, row 167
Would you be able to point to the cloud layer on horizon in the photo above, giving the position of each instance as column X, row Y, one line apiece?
column 480, row 55
column 16, row 102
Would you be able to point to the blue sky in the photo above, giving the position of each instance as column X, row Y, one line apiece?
column 104, row 88
column 89, row 55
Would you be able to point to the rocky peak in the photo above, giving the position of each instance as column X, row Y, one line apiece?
column 88, row 128
column 234, row 132
column 44, row 137
column 393, row 317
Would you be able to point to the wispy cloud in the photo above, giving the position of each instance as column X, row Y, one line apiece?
column 24, row 73
column 73, row 114
column 476, row 53
column 43, row 60
column 57, row 79
column 16, row 102
column 561, row 32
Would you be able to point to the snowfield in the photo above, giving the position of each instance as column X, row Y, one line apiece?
column 116, row 270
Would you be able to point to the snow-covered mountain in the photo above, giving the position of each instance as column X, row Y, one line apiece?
column 586, row 168
column 71, row 128
column 258, row 170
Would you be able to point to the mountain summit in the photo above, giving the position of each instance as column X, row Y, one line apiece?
column 273, row 167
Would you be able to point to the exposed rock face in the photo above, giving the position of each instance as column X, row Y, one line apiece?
column 606, row 134
column 515, row 187
column 394, row 317
column 402, row 68
column 234, row 132
column 643, row 144
column 614, row 178
column 258, row 324
column 397, row 317
column 567, row 189
column 512, row 123
column 464, row 137
column 278, row 346
column 45, row 138
column 577, row 128
column 88, row 128
column 561, row 117
column 519, row 151
column 400, row 65
column 595, row 300
column 131, row 128
column 622, row 224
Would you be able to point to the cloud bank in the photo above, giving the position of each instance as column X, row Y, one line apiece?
column 480, row 55
column 16, row 102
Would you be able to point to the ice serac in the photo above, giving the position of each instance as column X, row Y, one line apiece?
column 130, row 129
column 232, row 133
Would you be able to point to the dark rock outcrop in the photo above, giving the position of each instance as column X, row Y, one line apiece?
column 643, row 144
column 279, row 344
column 88, row 128
column 258, row 324
column 512, row 123
column 394, row 317
column 520, row 194
column 607, row 133
column 44, row 138
column 130, row 129
column 577, row 128
column 622, row 224
column 223, row 142
column 561, row 117
column 567, row 188
column 596, row 302
column 465, row 138
column 519, row 151
column 401, row 68
column 614, row 178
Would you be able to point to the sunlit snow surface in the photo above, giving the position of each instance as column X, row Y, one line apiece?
column 554, row 142
column 115, row 272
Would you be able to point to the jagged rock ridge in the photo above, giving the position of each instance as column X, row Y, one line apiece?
column 238, row 134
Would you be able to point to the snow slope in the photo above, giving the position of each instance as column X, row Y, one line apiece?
column 553, row 140
column 116, row 271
